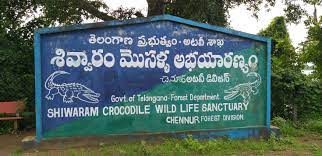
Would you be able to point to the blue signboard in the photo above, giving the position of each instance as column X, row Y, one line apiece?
column 152, row 75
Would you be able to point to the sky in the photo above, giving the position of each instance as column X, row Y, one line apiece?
column 240, row 18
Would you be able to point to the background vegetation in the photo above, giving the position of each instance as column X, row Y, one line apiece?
column 295, row 96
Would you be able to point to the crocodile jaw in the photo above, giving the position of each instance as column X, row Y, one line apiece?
column 93, row 98
column 231, row 94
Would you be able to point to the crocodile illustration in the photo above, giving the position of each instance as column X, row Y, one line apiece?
column 245, row 89
column 69, row 91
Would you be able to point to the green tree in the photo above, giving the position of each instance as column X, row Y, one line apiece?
column 217, row 11
column 207, row 11
column 294, row 94
column 282, row 45
column 312, row 48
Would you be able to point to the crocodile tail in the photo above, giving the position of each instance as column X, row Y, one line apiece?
column 49, row 84
column 258, row 80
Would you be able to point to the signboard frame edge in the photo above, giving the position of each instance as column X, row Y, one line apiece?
column 50, row 30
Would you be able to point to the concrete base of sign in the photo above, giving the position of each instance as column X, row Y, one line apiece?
column 79, row 142
column 242, row 133
column 276, row 131
column 28, row 142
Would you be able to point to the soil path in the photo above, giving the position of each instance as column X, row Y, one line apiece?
column 12, row 142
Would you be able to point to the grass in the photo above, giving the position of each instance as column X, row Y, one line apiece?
column 17, row 152
column 291, row 142
column 190, row 146
column 314, row 125
column 287, row 128
column 301, row 128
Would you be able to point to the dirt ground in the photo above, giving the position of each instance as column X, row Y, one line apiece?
column 12, row 142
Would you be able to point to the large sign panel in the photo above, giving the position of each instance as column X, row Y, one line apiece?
column 155, row 75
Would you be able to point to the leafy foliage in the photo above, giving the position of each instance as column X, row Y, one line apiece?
column 16, row 76
column 312, row 125
column 217, row 11
column 207, row 11
column 281, row 43
column 312, row 48
column 294, row 94
column 125, row 13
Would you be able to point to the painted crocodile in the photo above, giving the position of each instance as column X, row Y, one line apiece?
column 245, row 89
column 69, row 91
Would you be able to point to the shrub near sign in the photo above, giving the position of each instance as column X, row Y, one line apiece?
column 153, row 75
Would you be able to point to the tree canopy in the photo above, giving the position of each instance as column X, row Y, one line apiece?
column 282, row 46
column 312, row 48
column 294, row 94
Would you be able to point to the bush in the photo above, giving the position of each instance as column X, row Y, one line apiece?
column 6, row 127
column 17, row 77
column 294, row 95
column 313, row 125
column 295, row 129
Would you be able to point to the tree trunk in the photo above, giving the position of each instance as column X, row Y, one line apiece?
column 295, row 113
column 315, row 14
column 155, row 7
